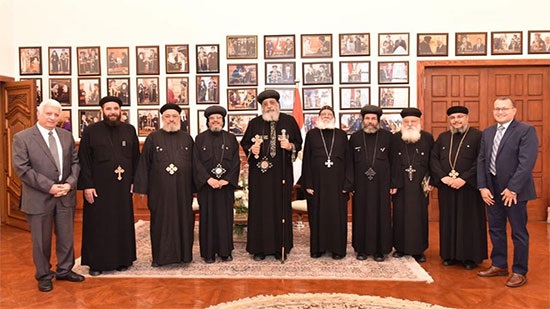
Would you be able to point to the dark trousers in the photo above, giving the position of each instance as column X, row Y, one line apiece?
column 517, row 216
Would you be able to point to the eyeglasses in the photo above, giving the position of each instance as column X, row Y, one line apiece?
column 502, row 109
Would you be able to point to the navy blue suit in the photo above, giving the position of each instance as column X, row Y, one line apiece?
column 515, row 160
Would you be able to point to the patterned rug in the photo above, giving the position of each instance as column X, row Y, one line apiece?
column 321, row 300
column 299, row 264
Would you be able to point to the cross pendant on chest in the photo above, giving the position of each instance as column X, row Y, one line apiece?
column 119, row 170
column 453, row 174
column 329, row 163
column 411, row 171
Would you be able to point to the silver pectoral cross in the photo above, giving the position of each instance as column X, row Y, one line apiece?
column 453, row 174
column 119, row 170
column 171, row 169
column 370, row 173
column 411, row 171
column 329, row 163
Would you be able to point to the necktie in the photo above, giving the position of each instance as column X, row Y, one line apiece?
column 53, row 149
column 496, row 142
column 272, row 139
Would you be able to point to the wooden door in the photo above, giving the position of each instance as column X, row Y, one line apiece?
column 476, row 84
column 18, row 113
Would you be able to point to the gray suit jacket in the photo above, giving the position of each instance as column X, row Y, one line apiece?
column 35, row 166
column 516, row 157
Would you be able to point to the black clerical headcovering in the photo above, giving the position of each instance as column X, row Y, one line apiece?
column 266, row 94
column 411, row 111
column 215, row 109
column 168, row 106
column 326, row 107
column 108, row 99
column 457, row 109
column 371, row 109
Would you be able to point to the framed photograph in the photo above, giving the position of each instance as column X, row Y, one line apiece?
column 539, row 42
column 393, row 44
column 125, row 116
column 89, row 61
column 87, row 117
column 507, row 43
column 393, row 97
column 148, row 121
column 280, row 46
column 30, row 60
column 351, row 122
column 242, row 47
column 316, row 45
column 354, row 72
column 147, row 60
column 310, row 121
column 317, row 73
column 208, row 59
column 286, row 100
column 239, row 122
column 208, row 91
column 185, row 119
column 177, row 59
column 59, row 60
column 471, row 43
column 38, row 83
column 202, row 122
column 354, row 44
column 242, row 99
column 242, row 74
column 391, row 121
column 60, row 90
column 119, row 87
column 315, row 98
column 280, row 73
column 354, row 97
column 89, row 91
column 118, row 62
column 432, row 44
column 147, row 90
column 65, row 120
column 177, row 90
column 393, row 72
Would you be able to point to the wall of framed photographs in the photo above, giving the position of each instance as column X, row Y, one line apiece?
column 151, row 59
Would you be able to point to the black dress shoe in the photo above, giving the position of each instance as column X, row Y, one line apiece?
column 337, row 256
column 95, row 273
column 228, row 258
column 259, row 257
column 398, row 254
column 316, row 255
column 361, row 256
column 72, row 277
column 449, row 262
column 209, row 260
column 420, row 258
column 379, row 257
column 45, row 285
column 469, row 264
column 122, row 268
column 155, row 264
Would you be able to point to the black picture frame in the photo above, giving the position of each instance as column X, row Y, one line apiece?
column 280, row 46
column 317, row 73
column 432, row 44
column 393, row 72
column 280, row 73
column 30, row 60
column 471, row 44
column 208, row 58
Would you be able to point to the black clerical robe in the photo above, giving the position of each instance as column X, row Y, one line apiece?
column 462, row 221
column 327, row 207
column 410, row 204
column 108, row 236
column 216, row 205
column 371, row 231
column 165, row 174
column 269, row 198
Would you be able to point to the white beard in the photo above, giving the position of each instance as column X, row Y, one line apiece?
column 322, row 125
column 271, row 116
column 172, row 127
column 410, row 136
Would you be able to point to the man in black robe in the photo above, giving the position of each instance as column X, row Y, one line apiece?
column 371, row 152
column 216, row 165
column 108, row 153
column 326, row 178
column 411, row 179
column 165, row 174
column 462, row 221
column 271, row 142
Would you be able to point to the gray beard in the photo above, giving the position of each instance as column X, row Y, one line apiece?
column 370, row 130
column 171, row 128
column 410, row 137
column 459, row 130
column 271, row 116
column 326, row 125
column 216, row 129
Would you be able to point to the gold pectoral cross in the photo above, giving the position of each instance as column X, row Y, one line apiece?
column 257, row 140
column 453, row 174
column 119, row 170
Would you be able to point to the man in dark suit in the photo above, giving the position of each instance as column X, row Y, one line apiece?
column 46, row 161
column 505, row 163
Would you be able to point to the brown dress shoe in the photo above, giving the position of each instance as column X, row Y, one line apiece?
column 493, row 271
column 516, row 280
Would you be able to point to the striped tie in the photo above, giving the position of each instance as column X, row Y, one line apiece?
column 496, row 142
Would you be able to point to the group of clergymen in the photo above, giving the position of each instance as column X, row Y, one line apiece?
column 388, row 177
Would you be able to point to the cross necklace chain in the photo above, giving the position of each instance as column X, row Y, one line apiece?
column 370, row 173
column 410, row 170
column 453, row 173
column 218, row 170
column 328, row 162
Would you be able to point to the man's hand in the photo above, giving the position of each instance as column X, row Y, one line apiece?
column 487, row 196
column 214, row 183
column 255, row 149
column 509, row 198
column 90, row 195
column 285, row 144
column 457, row 183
